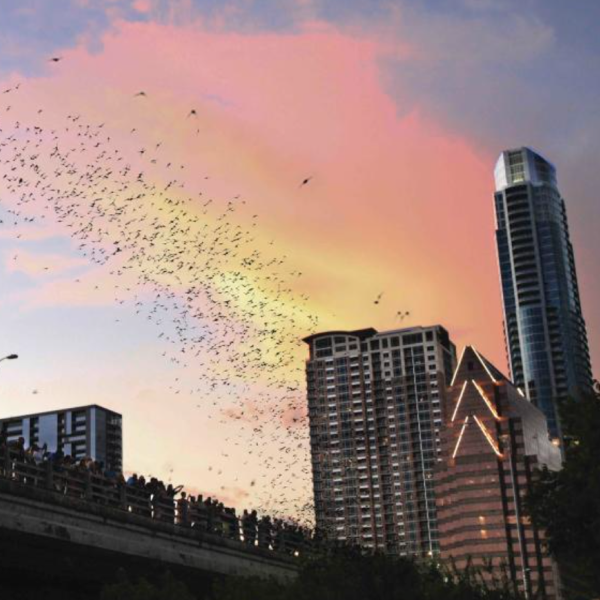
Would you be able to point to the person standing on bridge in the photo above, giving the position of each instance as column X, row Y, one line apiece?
column 231, row 524
column 192, row 511
column 182, row 517
column 39, row 453
column 210, row 515
column 202, row 521
column 249, row 522
column 265, row 532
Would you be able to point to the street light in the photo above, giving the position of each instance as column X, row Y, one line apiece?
column 9, row 357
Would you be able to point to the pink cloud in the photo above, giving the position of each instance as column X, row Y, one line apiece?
column 36, row 264
column 93, row 288
column 313, row 103
column 396, row 203
column 142, row 6
column 30, row 233
column 248, row 412
column 294, row 417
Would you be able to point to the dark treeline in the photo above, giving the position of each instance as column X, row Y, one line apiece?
column 566, row 503
column 339, row 574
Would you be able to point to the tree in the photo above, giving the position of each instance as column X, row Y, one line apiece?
column 352, row 574
column 567, row 503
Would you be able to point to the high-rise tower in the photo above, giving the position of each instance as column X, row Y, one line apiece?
column 374, row 404
column 545, row 333
column 493, row 440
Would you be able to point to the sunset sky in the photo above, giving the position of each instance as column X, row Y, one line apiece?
column 395, row 110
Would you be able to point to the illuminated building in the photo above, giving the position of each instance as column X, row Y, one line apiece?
column 492, row 440
column 374, row 403
column 545, row 333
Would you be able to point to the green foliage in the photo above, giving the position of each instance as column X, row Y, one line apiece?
column 567, row 503
column 349, row 574
column 167, row 588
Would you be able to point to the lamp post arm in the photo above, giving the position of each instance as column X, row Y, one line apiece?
column 9, row 357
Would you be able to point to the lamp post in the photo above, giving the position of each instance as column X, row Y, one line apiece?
column 9, row 357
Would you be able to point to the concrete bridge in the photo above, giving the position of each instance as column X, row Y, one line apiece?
column 51, row 535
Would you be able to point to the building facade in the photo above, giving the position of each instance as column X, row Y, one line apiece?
column 374, row 403
column 83, row 432
column 492, row 440
column 545, row 333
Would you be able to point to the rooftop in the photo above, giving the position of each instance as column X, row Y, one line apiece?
column 61, row 410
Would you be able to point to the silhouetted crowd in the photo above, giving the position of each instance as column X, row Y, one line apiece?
column 151, row 498
column 37, row 455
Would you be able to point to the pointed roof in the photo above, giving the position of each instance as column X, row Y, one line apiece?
column 482, row 394
column 474, row 406
column 468, row 357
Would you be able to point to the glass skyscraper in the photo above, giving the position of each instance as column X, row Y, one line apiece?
column 545, row 333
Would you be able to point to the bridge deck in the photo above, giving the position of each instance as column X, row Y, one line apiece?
column 40, row 518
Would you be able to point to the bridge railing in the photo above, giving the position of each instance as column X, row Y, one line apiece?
column 93, row 488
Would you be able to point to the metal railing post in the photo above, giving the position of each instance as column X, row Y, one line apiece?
column 7, row 464
column 49, row 478
column 87, row 485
